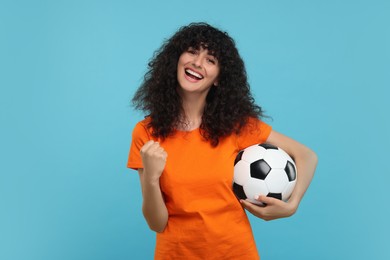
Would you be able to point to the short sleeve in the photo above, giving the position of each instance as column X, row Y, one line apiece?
column 140, row 136
column 254, row 132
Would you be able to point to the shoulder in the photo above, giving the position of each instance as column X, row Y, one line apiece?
column 253, row 132
column 143, row 127
column 256, row 125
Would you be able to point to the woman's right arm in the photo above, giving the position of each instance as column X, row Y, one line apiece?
column 153, row 206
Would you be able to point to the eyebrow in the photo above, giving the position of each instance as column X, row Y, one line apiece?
column 211, row 53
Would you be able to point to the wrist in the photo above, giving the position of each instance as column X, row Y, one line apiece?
column 150, row 186
column 152, row 182
column 150, row 178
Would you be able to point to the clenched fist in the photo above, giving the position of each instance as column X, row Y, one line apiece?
column 154, row 158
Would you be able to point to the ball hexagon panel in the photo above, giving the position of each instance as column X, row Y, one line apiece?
column 275, row 159
column 259, row 169
column 276, row 181
column 254, row 188
column 253, row 153
column 288, row 190
column 264, row 170
column 283, row 153
column 242, row 171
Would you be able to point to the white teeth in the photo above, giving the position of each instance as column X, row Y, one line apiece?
column 193, row 73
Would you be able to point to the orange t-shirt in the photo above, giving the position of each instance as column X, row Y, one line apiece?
column 206, row 221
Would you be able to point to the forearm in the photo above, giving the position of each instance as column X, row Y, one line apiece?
column 306, row 162
column 153, row 205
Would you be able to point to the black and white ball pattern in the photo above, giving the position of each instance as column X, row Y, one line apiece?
column 264, row 169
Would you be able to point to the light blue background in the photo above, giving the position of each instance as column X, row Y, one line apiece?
column 69, row 68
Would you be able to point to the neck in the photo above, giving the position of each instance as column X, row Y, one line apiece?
column 193, row 108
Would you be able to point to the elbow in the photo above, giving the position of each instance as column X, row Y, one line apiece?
column 306, row 155
column 311, row 158
column 158, row 228
column 314, row 157
column 156, row 223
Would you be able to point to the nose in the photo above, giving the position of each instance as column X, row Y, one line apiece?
column 198, row 60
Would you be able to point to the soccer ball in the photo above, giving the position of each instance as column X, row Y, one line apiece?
column 264, row 169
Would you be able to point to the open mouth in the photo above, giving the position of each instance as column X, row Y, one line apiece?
column 192, row 74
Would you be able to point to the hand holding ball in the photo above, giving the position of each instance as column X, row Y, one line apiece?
column 264, row 169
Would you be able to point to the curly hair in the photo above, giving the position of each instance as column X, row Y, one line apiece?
column 228, row 105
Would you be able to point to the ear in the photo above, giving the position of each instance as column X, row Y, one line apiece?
column 215, row 83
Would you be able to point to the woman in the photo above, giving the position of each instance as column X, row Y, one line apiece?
column 200, row 115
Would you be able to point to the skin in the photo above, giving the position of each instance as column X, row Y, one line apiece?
column 193, row 93
column 154, row 210
column 306, row 162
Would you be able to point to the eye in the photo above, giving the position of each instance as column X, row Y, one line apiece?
column 211, row 60
column 192, row 51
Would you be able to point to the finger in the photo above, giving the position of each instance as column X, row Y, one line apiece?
column 258, row 211
column 252, row 208
column 165, row 155
column 159, row 149
column 153, row 148
column 249, row 206
column 147, row 145
column 246, row 204
column 160, row 153
column 267, row 200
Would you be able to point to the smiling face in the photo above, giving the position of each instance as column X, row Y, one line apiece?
column 197, row 71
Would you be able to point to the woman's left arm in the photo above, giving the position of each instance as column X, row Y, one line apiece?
column 306, row 162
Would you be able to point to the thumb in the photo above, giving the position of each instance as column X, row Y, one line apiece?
column 266, row 200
